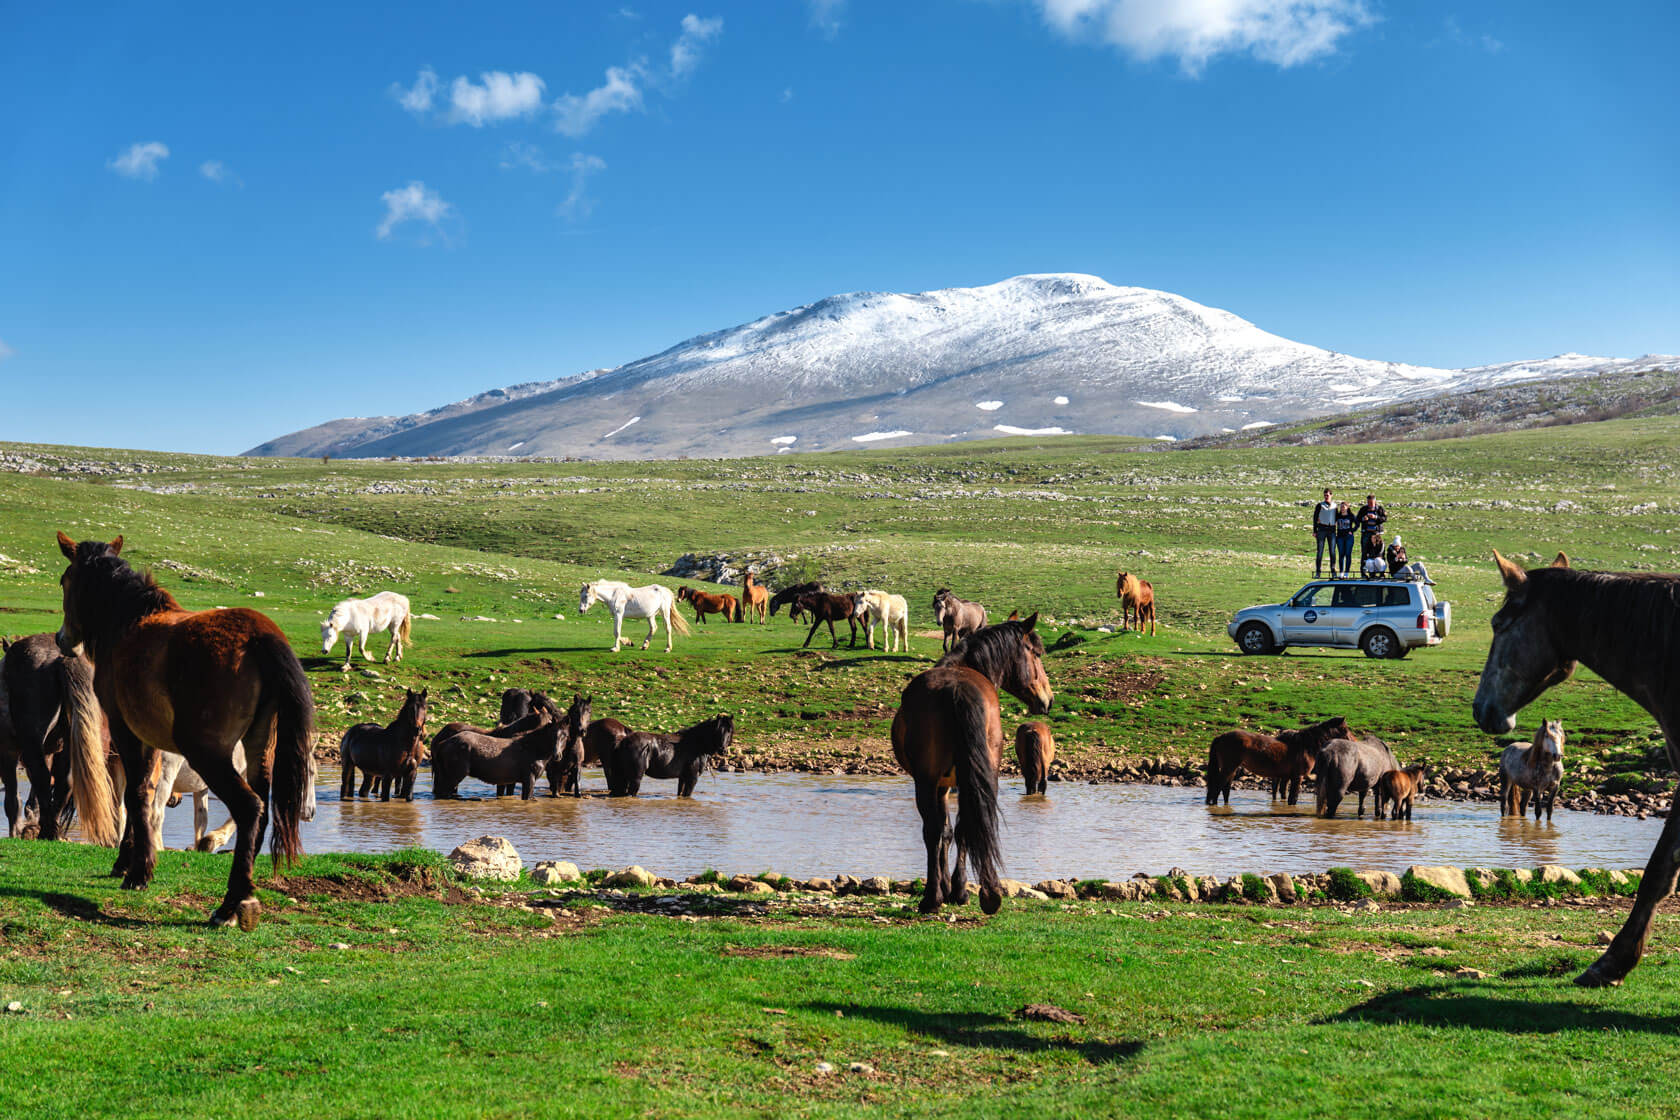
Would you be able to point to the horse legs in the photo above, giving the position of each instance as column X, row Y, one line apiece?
column 8, row 777
column 1361, row 812
column 618, row 630
column 653, row 628
column 936, row 835
column 809, row 634
column 1657, row 884
column 209, row 841
column 43, row 791
column 137, row 857
column 223, row 779
column 385, row 787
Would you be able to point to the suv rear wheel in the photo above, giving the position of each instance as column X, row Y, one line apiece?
column 1380, row 641
column 1254, row 637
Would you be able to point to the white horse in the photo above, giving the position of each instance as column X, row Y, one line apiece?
column 878, row 608
column 1532, row 771
column 652, row 602
column 356, row 619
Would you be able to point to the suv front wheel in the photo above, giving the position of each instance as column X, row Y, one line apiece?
column 1254, row 637
column 1380, row 641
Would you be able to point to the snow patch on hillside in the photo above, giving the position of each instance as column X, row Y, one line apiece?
column 1012, row 430
column 873, row 437
column 1168, row 406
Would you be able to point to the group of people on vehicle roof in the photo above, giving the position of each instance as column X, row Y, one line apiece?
column 1334, row 524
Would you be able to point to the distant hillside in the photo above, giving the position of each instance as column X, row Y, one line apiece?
column 1033, row 355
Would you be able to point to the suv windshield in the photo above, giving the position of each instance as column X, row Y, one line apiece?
column 1318, row 595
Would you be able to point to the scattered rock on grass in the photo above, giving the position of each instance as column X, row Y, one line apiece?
column 629, row 877
column 488, row 857
column 547, row 872
column 1048, row 1013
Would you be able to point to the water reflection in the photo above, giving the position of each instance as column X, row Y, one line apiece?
column 807, row 824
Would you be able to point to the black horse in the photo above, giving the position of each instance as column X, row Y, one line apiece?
column 51, row 723
column 681, row 756
column 788, row 594
column 389, row 754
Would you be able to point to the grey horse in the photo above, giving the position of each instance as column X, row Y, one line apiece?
column 1350, row 766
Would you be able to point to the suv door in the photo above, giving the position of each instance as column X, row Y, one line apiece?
column 1306, row 618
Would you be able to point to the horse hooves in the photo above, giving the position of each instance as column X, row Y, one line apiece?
column 990, row 900
column 205, row 845
column 1602, row 973
column 929, row 905
column 133, row 882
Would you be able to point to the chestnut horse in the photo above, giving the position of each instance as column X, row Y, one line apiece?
column 50, row 722
column 1395, row 790
column 194, row 683
column 1137, row 602
column 755, row 599
column 390, row 754
column 705, row 603
column 1626, row 628
column 948, row 733
column 1035, row 750
column 1287, row 756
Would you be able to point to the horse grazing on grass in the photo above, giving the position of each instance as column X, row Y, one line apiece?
column 1532, row 770
column 787, row 595
column 506, row 762
column 829, row 607
column 948, row 734
column 652, row 602
column 357, row 619
column 1350, row 766
column 755, row 599
column 1395, row 790
column 705, row 603
column 1035, row 750
column 646, row 754
column 879, row 608
column 197, row 684
column 1287, row 757
column 1137, row 602
column 390, row 754
column 51, row 723
column 1625, row 628
column 958, row 617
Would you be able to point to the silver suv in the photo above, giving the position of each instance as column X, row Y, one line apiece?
column 1383, row 617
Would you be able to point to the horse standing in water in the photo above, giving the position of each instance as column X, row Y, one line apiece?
column 1532, row 770
column 948, row 733
column 652, row 602
column 194, row 683
column 1286, row 757
column 391, row 754
column 1035, row 750
column 50, row 722
column 1625, row 628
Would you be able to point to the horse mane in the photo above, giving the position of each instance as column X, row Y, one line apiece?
column 1644, row 605
column 120, row 594
column 990, row 649
column 711, row 728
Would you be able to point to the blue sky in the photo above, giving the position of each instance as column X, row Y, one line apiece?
column 219, row 223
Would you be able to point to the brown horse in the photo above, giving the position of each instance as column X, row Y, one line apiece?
column 1396, row 788
column 958, row 617
column 390, row 754
column 507, row 762
column 705, row 603
column 1286, row 756
column 755, row 599
column 1137, row 602
column 1035, row 750
column 948, row 733
column 51, row 723
column 195, row 683
column 829, row 607
column 596, row 748
column 1625, row 628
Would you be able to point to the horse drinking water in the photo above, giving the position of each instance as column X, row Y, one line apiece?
column 948, row 733
column 652, row 602
column 357, row 619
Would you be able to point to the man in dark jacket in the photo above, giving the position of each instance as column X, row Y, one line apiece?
column 1324, row 532
column 1371, row 517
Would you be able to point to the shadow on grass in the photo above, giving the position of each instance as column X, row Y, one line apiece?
column 532, row 651
column 996, row 1032
column 79, row 909
column 1455, row 1007
column 865, row 658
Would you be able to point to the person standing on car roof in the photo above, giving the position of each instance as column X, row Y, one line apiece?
column 1371, row 517
column 1344, row 540
column 1324, row 533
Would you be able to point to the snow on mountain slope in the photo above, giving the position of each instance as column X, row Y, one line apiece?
column 1034, row 353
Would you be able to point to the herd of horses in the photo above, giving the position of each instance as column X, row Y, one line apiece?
column 131, row 677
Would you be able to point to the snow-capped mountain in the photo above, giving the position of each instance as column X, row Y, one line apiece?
column 1037, row 355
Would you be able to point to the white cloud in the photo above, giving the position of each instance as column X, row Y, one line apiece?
column 1194, row 32
column 620, row 93
column 413, row 203
column 140, row 161
column 5, row 351
column 787, row 95
column 417, row 98
column 826, row 16
column 577, row 204
column 520, row 154
column 501, row 97
column 685, row 52
column 218, row 172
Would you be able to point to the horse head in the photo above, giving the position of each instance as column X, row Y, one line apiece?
column 860, row 604
column 587, row 598
column 1120, row 582
column 1550, row 740
column 79, row 582
column 941, row 603
column 722, row 728
column 329, row 631
column 1526, row 657
column 416, row 702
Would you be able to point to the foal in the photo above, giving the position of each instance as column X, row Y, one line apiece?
column 1035, row 750
column 1395, row 788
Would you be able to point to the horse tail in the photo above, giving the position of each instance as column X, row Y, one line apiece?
column 676, row 622
column 293, row 738
column 90, row 781
column 977, row 827
column 407, row 631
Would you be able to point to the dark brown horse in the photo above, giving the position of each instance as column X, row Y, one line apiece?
column 1035, row 750
column 1287, row 756
column 50, row 722
column 705, row 603
column 1395, row 790
column 829, row 607
column 1625, row 628
column 647, row 754
column 596, row 748
column 958, row 617
column 522, row 710
column 1137, row 601
column 948, row 733
column 196, row 683
column 755, row 599
column 506, row 762
column 787, row 595
column 390, row 754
